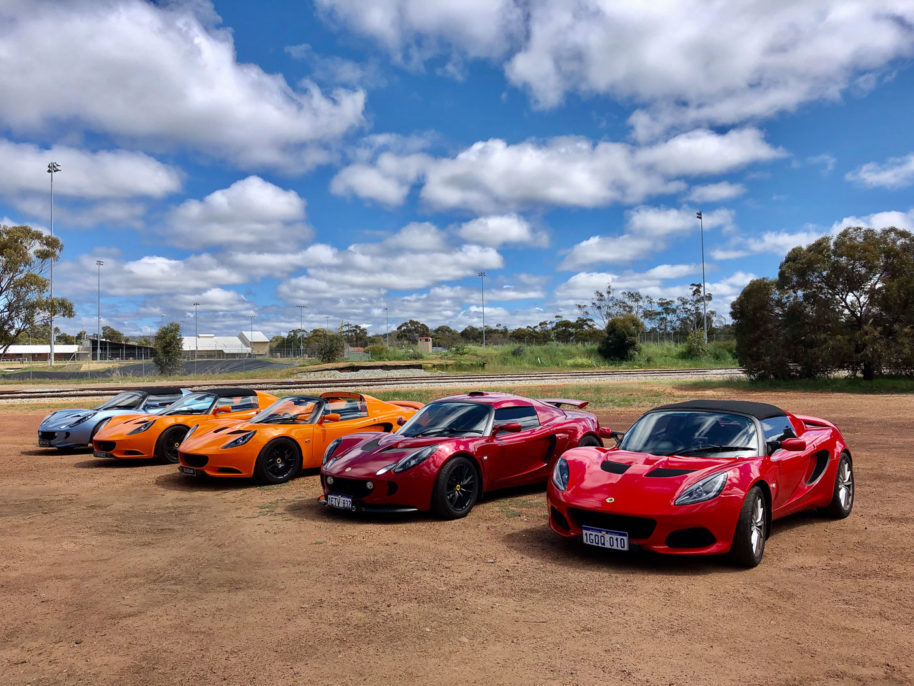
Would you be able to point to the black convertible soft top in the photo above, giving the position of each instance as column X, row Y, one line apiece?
column 757, row 410
column 160, row 390
column 226, row 391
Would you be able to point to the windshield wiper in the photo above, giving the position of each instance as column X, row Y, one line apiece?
column 712, row 449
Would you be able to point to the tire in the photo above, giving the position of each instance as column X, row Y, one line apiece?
column 457, row 488
column 95, row 429
column 278, row 462
column 590, row 441
column 167, row 445
column 842, row 501
column 751, row 530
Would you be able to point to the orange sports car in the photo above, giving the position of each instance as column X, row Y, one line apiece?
column 290, row 435
column 136, row 437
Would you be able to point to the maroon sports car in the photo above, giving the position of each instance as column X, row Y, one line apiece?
column 452, row 451
column 702, row 477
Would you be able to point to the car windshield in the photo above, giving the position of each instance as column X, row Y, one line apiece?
column 448, row 419
column 128, row 400
column 195, row 403
column 292, row 410
column 698, row 434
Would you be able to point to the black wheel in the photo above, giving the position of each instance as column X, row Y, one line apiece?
column 279, row 461
column 751, row 530
column 167, row 445
column 457, row 489
column 590, row 441
column 842, row 501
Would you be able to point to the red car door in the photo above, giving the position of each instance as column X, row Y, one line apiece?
column 520, row 457
column 791, row 465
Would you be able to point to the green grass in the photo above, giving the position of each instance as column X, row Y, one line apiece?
column 834, row 385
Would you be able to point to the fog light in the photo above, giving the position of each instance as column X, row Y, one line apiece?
column 330, row 480
column 370, row 485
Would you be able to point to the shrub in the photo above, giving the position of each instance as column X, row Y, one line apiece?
column 168, row 349
column 621, row 340
column 695, row 346
column 329, row 347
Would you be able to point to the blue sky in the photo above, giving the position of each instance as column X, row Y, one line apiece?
column 350, row 157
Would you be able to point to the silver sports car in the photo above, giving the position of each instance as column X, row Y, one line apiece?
column 66, row 429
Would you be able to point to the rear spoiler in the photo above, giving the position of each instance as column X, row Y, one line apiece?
column 558, row 402
column 407, row 403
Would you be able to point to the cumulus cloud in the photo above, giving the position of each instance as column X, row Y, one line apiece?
column 686, row 63
column 581, row 286
column 493, row 176
column 250, row 212
column 141, row 71
column 897, row 172
column 648, row 229
column 879, row 220
column 715, row 192
column 497, row 230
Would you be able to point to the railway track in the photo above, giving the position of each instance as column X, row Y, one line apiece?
column 468, row 381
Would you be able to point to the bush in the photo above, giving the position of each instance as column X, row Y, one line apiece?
column 329, row 347
column 695, row 346
column 168, row 349
column 621, row 340
column 377, row 352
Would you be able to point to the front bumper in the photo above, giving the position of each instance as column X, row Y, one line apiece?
column 701, row 529
column 409, row 491
column 124, row 448
column 63, row 438
column 231, row 464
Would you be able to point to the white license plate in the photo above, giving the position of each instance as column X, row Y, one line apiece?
column 340, row 502
column 604, row 538
column 44, row 444
column 190, row 471
column 100, row 453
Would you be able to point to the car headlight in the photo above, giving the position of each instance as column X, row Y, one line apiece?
column 145, row 426
column 76, row 421
column 411, row 460
column 703, row 490
column 330, row 450
column 560, row 474
column 240, row 440
column 192, row 429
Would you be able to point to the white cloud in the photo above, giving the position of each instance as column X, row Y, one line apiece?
column 879, row 220
column 141, row 71
column 337, row 70
column 499, row 229
column 898, row 172
column 493, row 176
column 648, row 229
column 88, row 175
column 687, row 63
column 715, row 192
column 251, row 212
column 581, row 286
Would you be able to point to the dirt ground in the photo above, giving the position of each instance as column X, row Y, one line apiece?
column 117, row 573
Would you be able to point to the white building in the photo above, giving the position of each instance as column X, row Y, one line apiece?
column 208, row 345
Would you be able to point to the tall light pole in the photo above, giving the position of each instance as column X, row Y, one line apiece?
column 98, row 341
column 482, row 276
column 252, row 335
column 196, row 337
column 387, row 314
column 704, row 294
column 52, row 168
column 301, row 330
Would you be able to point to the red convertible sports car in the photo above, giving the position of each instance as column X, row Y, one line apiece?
column 452, row 451
column 702, row 477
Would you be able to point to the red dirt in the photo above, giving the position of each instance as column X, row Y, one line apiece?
column 132, row 574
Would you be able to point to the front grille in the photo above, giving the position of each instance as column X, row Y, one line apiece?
column 614, row 467
column 699, row 537
column 636, row 527
column 195, row 460
column 352, row 487
column 47, row 435
column 107, row 446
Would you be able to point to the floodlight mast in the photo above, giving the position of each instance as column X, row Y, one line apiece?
column 53, row 168
column 704, row 292
column 482, row 276
column 98, row 335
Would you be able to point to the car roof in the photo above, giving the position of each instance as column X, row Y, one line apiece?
column 751, row 409
column 226, row 390
column 161, row 390
column 485, row 397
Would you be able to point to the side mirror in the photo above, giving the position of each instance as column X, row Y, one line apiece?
column 604, row 432
column 510, row 427
column 222, row 409
column 330, row 417
column 400, row 421
column 793, row 444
